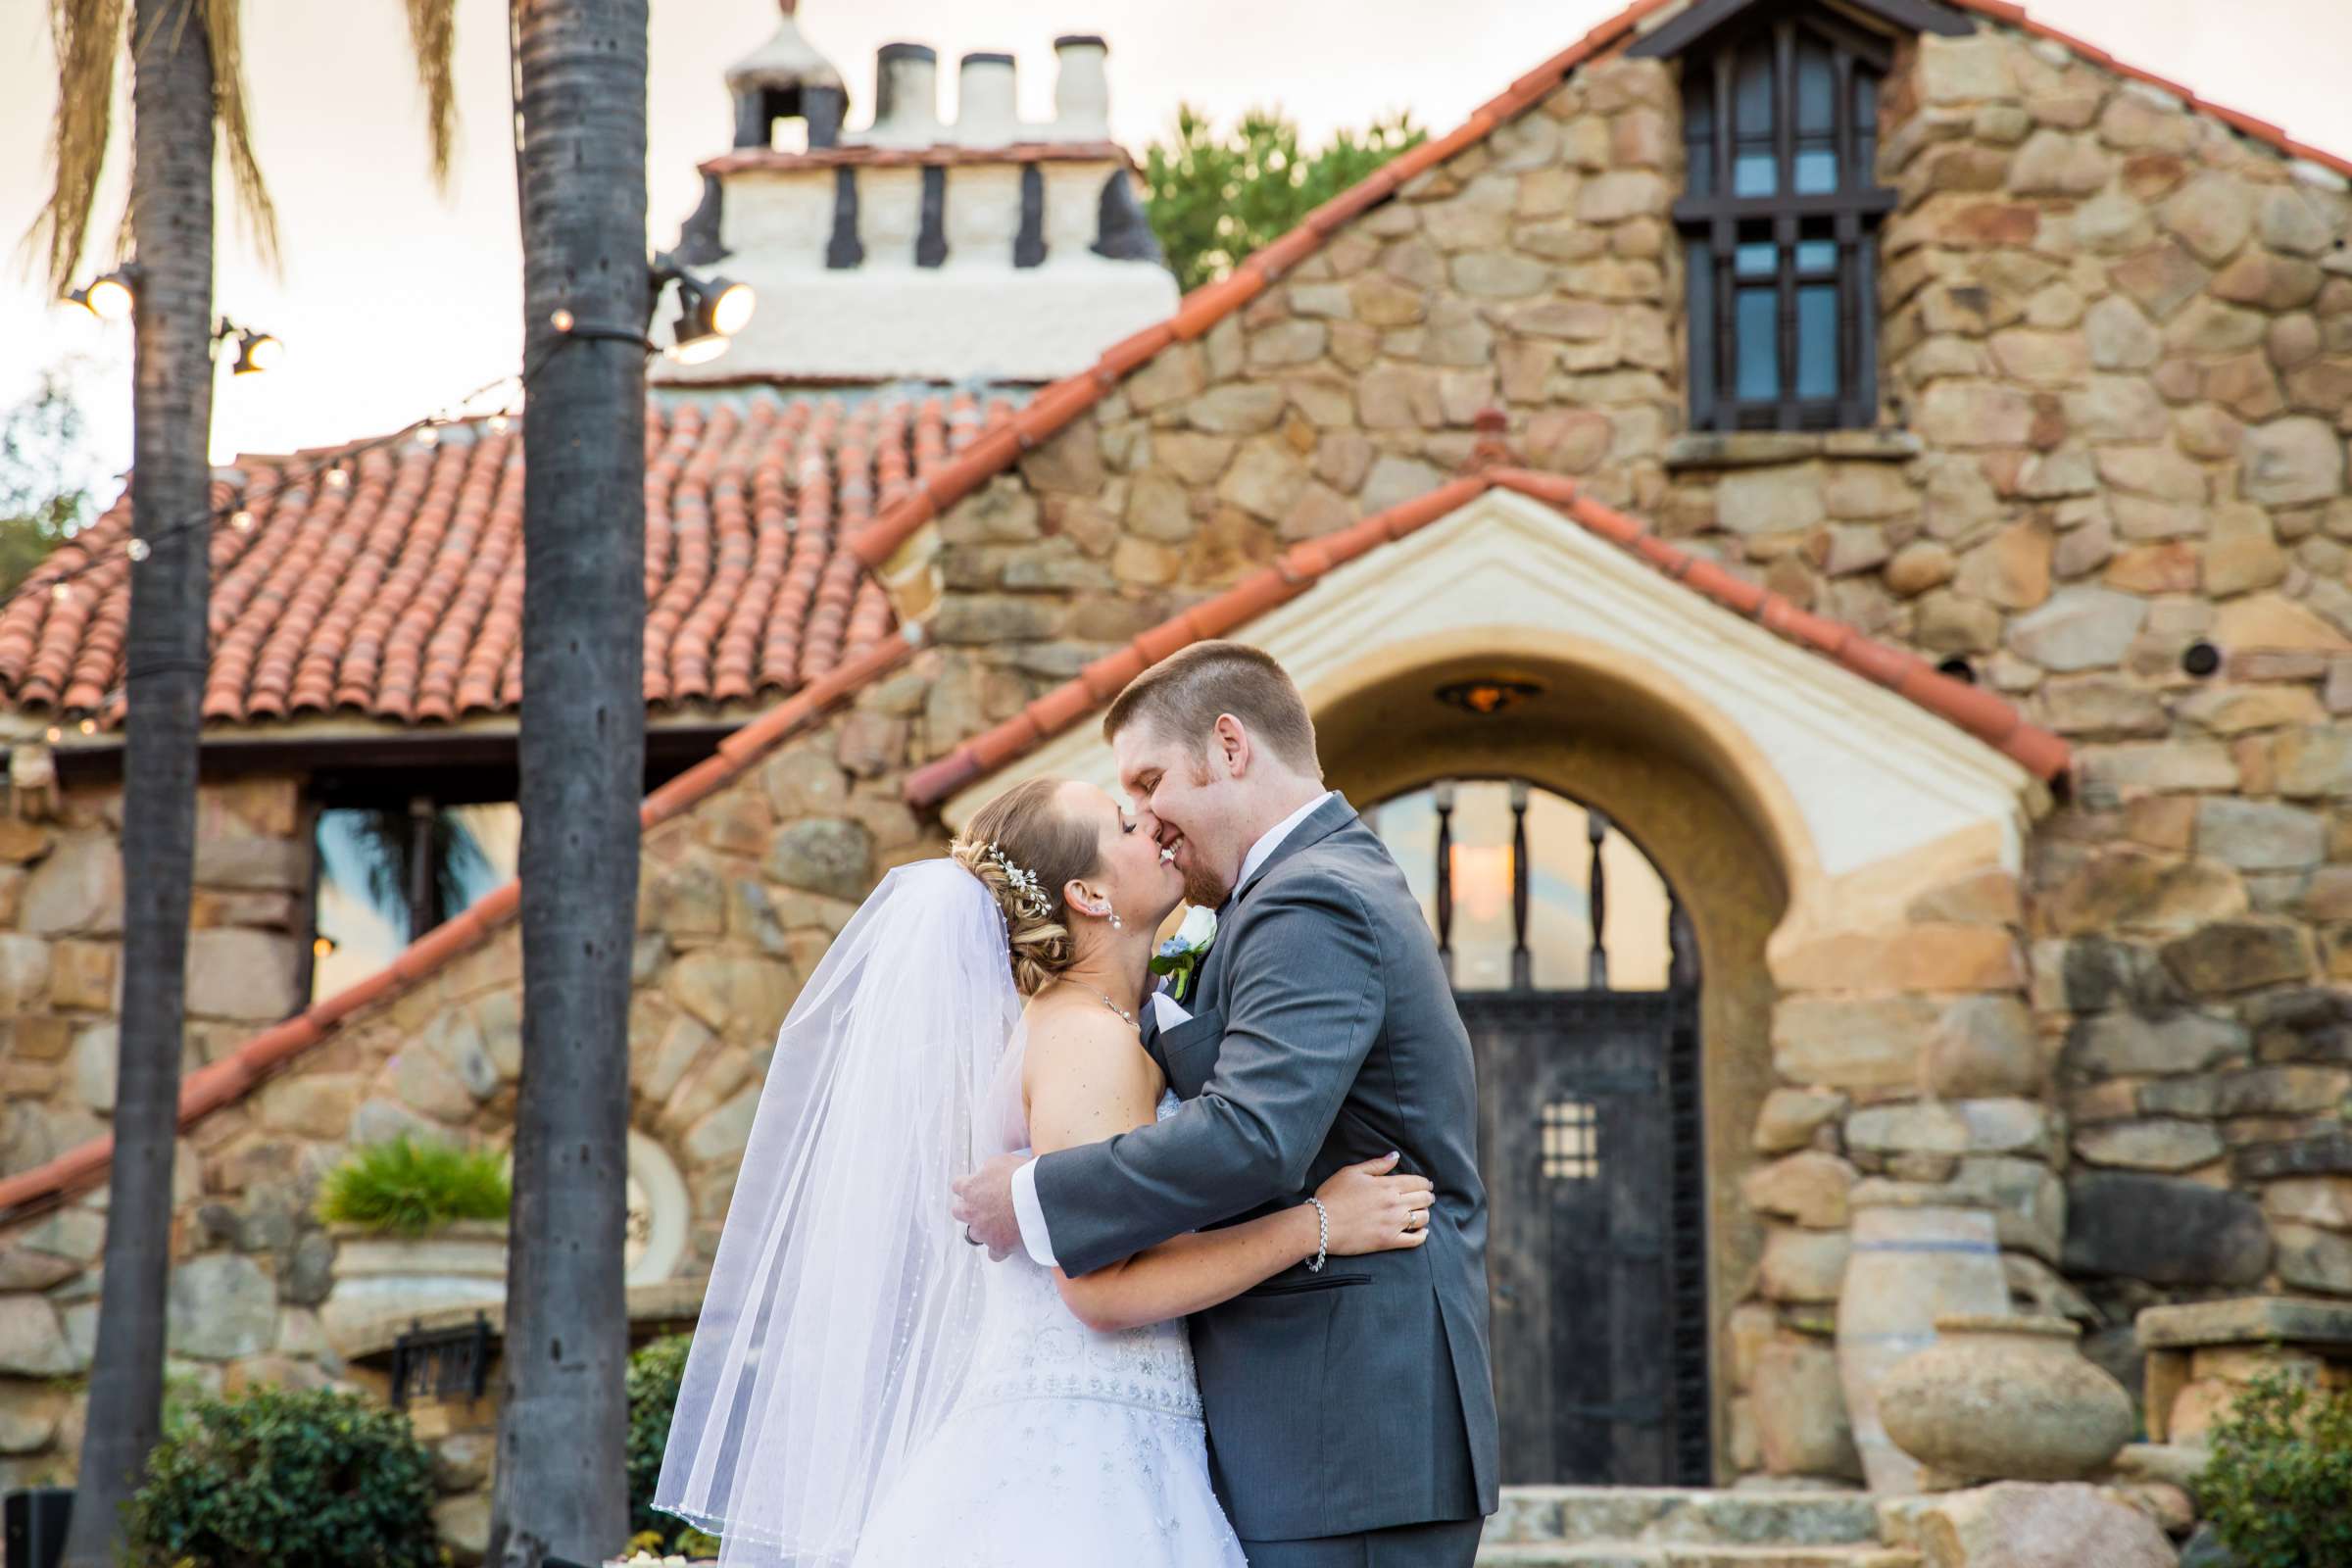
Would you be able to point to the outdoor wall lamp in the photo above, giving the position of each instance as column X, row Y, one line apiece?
column 256, row 351
column 711, row 309
column 109, row 298
column 1489, row 695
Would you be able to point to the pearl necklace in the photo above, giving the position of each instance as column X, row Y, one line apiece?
column 1104, row 998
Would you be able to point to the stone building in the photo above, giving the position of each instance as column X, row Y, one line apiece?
column 1823, row 532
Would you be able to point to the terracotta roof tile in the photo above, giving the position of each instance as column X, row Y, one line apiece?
column 398, row 593
column 251, row 1063
column 1982, row 714
column 1205, row 307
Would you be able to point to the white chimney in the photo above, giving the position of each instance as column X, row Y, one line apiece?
column 1081, row 92
column 906, row 97
column 985, row 112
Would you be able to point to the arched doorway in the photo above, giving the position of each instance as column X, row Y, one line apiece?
column 1577, row 976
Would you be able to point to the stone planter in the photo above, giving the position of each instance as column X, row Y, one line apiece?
column 1917, row 1255
column 2005, row 1397
column 380, row 1277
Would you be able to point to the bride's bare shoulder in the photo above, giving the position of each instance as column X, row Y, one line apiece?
column 1088, row 1063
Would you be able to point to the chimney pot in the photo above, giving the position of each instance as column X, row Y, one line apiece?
column 905, row 96
column 986, row 114
column 1081, row 92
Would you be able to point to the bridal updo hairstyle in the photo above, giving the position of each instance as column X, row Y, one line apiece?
column 1034, row 833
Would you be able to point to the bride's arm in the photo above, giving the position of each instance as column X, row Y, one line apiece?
column 1086, row 1085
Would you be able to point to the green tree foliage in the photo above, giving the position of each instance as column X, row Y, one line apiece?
column 1214, row 196
column 2279, row 1488
column 302, row 1479
column 44, row 476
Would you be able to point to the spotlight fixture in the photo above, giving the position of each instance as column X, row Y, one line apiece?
column 256, row 351
column 1487, row 695
column 109, row 298
column 711, row 309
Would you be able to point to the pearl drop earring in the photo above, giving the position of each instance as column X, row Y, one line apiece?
column 1117, row 924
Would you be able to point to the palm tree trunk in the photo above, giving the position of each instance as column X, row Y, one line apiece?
column 580, row 78
column 170, row 483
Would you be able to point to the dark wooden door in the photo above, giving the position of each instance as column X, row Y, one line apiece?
column 1594, row 1266
column 1590, row 1143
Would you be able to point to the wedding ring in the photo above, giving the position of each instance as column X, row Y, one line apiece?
column 970, row 1238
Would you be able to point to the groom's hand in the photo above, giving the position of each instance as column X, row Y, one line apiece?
column 982, row 1205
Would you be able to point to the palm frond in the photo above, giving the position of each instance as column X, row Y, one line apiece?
column 223, row 30
column 88, row 34
column 432, row 38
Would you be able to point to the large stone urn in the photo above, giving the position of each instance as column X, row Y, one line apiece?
column 2005, row 1397
column 1918, row 1252
column 387, row 1278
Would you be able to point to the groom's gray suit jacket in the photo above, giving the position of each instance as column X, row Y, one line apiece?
column 1323, row 1033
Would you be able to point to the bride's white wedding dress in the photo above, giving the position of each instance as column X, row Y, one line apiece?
column 1065, row 1448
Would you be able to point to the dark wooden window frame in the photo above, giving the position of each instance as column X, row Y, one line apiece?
column 1714, row 224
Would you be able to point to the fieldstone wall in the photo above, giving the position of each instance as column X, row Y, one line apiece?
column 2116, row 373
column 2116, row 366
column 740, row 898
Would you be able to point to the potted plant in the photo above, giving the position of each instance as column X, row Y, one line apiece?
column 419, row 1225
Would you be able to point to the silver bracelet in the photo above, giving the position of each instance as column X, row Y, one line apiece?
column 1322, row 1235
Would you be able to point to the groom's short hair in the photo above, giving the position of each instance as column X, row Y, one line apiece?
column 1184, row 694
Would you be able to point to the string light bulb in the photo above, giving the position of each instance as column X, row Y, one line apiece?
column 498, row 423
column 54, row 735
column 241, row 521
column 336, row 479
column 137, row 550
column 561, row 321
column 88, row 727
column 60, row 592
column 429, row 437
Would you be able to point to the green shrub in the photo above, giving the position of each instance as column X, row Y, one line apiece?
column 655, row 1369
column 408, row 1186
column 2279, row 1488
column 293, row 1478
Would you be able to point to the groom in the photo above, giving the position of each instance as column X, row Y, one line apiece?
column 1350, row 1411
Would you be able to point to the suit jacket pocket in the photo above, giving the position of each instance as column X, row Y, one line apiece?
column 1307, row 1282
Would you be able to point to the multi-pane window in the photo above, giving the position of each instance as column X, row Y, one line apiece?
column 1571, row 1141
column 1778, row 220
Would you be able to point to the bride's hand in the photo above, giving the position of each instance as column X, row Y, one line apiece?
column 1373, row 1211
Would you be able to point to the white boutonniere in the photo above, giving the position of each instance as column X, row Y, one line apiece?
column 1179, row 957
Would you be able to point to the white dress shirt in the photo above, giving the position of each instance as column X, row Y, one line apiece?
column 1169, row 1012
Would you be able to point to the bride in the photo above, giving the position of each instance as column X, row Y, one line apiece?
column 866, row 1388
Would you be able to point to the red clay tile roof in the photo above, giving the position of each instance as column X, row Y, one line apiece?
column 1205, row 307
column 398, row 593
column 245, row 1068
column 1979, row 712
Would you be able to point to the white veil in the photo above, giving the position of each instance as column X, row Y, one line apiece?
column 843, row 1306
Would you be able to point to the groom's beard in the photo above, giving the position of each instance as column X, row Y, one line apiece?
column 1204, row 889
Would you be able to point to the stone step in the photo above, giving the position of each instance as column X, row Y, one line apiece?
column 1674, row 1515
column 1695, row 1554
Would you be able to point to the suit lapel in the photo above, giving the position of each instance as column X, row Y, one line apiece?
column 1326, row 819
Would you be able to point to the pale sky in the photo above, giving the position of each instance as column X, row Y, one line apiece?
column 393, row 298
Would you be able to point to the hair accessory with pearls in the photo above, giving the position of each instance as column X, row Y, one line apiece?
column 1028, row 898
